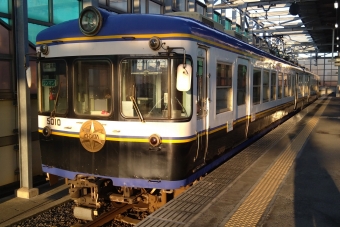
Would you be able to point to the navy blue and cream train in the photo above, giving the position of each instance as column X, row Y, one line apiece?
column 136, row 106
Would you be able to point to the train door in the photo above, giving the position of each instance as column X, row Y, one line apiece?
column 241, row 106
column 202, row 106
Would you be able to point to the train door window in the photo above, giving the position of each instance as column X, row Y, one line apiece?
column 300, row 85
column 273, row 86
column 292, row 84
column 241, row 84
column 201, row 85
column 279, row 87
column 307, row 83
column 285, row 85
column 53, row 90
column 256, row 86
column 223, row 88
column 293, row 81
column 92, row 87
column 147, row 82
column 265, row 85
column 289, row 79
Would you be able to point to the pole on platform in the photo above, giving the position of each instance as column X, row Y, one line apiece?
column 26, row 189
column 338, row 86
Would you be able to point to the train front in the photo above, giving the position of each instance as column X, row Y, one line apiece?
column 115, row 107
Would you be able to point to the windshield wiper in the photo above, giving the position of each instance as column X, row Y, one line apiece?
column 135, row 105
column 56, row 101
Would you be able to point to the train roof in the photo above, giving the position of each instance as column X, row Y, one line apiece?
column 144, row 26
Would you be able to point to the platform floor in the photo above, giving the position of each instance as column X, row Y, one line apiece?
column 14, row 209
column 290, row 177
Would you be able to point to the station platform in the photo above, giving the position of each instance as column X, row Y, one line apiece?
column 14, row 209
column 289, row 177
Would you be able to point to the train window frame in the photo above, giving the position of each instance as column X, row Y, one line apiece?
column 55, row 94
column 224, row 88
column 180, row 108
column 265, row 86
column 104, row 97
column 257, row 86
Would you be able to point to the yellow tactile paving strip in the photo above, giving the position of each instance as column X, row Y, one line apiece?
column 251, row 210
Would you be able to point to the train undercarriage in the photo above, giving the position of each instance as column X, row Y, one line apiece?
column 90, row 194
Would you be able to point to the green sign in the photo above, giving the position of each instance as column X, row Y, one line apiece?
column 49, row 82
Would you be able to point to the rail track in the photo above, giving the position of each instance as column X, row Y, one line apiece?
column 114, row 214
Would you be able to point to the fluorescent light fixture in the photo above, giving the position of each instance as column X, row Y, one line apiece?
column 336, row 5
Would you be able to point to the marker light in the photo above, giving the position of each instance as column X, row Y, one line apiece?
column 90, row 21
column 47, row 131
column 155, row 140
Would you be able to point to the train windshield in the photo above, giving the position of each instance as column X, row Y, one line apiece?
column 53, row 90
column 148, row 86
column 92, row 87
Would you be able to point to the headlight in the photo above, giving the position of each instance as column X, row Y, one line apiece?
column 90, row 21
column 155, row 43
column 44, row 49
column 155, row 140
column 47, row 131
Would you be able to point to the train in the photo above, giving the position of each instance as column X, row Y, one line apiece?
column 135, row 108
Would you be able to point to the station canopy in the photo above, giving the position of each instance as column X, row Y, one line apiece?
column 296, row 28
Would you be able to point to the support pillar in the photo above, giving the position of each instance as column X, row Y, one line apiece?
column 26, row 189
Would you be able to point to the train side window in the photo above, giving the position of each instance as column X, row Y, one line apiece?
column 223, row 88
column 53, row 91
column 256, row 86
column 279, row 93
column 273, row 86
column 92, row 87
column 265, row 85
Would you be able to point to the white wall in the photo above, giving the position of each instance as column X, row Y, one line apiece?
column 8, row 155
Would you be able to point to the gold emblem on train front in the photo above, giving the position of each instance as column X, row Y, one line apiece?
column 92, row 136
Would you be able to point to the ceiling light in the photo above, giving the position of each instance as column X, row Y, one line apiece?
column 336, row 5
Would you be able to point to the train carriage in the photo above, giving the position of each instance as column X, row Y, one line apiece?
column 142, row 105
